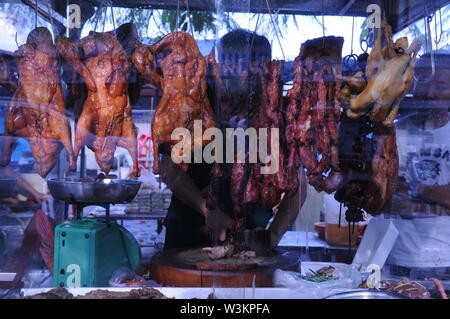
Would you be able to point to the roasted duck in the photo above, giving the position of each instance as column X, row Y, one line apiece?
column 369, row 162
column 183, row 81
column 389, row 72
column 37, row 110
column 106, row 121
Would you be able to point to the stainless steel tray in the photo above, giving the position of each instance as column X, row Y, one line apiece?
column 8, row 187
column 367, row 294
column 113, row 191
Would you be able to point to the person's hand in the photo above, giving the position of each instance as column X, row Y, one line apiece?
column 218, row 222
column 39, row 197
column 218, row 252
column 10, row 201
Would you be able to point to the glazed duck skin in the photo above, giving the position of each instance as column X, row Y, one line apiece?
column 184, row 89
column 106, row 120
column 37, row 110
column 390, row 73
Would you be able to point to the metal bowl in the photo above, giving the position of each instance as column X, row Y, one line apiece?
column 112, row 191
column 367, row 294
column 8, row 187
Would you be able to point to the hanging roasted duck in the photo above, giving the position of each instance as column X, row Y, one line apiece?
column 182, row 78
column 37, row 110
column 389, row 74
column 106, row 120
column 368, row 154
column 369, row 161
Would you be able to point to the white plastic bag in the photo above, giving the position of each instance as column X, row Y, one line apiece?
column 348, row 277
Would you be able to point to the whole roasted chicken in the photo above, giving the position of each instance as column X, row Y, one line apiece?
column 182, row 78
column 389, row 73
column 106, row 120
column 37, row 110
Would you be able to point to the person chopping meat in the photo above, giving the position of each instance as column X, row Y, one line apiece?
column 422, row 200
column 191, row 221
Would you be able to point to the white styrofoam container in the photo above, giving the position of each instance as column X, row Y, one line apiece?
column 7, row 276
column 376, row 244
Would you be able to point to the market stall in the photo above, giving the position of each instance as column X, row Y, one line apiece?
column 267, row 148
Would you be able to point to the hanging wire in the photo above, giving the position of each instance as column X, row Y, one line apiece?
column 353, row 28
column 113, row 19
column 323, row 23
column 35, row 13
column 428, row 48
column 189, row 18
column 256, row 28
column 98, row 14
column 178, row 16
column 104, row 21
column 441, row 33
column 67, row 17
column 275, row 29
column 51, row 18
column 351, row 56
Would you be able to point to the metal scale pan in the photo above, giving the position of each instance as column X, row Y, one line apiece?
column 106, row 191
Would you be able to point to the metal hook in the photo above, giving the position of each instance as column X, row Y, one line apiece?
column 433, row 62
column 364, row 41
column 350, row 57
column 438, row 39
column 17, row 42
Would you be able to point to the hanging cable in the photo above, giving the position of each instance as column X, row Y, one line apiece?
column 113, row 19
column 275, row 29
column 98, row 14
column 353, row 29
column 35, row 13
column 428, row 48
column 178, row 16
column 256, row 28
column 51, row 18
column 323, row 23
column 438, row 39
column 189, row 18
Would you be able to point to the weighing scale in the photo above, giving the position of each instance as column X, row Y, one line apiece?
column 89, row 250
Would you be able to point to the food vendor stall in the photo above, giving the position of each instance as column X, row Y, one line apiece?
column 276, row 149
